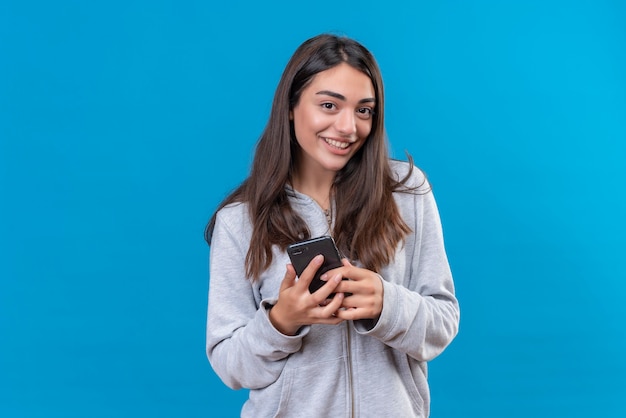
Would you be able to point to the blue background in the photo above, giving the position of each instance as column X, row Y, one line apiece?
column 123, row 125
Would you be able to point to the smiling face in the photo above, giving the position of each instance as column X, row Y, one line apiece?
column 332, row 119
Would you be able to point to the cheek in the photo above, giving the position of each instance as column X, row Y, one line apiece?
column 364, row 128
column 310, row 123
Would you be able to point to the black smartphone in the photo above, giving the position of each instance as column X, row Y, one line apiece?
column 301, row 254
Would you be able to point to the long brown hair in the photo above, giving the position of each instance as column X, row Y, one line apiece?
column 368, row 226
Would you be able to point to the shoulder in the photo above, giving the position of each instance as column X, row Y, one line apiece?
column 234, row 217
column 410, row 176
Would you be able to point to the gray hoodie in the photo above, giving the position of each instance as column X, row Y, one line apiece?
column 354, row 369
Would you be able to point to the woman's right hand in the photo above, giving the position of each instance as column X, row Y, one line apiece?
column 297, row 307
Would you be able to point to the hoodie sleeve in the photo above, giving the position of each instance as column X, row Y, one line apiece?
column 243, row 347
column 420, row 317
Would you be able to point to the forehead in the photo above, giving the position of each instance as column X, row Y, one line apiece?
column 343, row 79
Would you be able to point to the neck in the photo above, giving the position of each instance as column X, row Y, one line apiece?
column 316, row 187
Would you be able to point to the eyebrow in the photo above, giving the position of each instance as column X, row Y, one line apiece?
column 343, row 98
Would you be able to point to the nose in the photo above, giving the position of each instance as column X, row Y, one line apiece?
column 346, row 122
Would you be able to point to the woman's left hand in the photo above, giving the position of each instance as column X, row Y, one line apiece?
column 363, row 293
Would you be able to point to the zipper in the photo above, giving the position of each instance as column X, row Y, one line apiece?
column 349, row 359
column 328, row 214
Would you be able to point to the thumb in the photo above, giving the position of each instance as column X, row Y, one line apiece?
column 290, row 278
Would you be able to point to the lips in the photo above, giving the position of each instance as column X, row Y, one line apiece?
column 337, row 144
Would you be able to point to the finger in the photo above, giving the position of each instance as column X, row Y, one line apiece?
column 334, row 305
column 348, row 314
column 359, row 307
column 367, row 287
column 352, row 272
column 321, row 294
column 353, row 301
column 347, row 286
column 290, row 278
column 327, row 314
column 309, row 272
column 330, row 273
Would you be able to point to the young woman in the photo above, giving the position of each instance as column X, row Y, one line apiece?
column 321, row 167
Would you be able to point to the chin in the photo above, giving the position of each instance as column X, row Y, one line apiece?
column 335, row 167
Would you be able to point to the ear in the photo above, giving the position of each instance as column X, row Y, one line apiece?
column 291, row 115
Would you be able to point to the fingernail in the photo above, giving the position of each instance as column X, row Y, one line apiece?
column 337, row 278
column 319, row 258
column 324, row 276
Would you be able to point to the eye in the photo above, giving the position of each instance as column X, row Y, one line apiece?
column 328, row 106
column 365, row 112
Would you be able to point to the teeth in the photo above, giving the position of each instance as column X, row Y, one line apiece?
column 337, row 144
